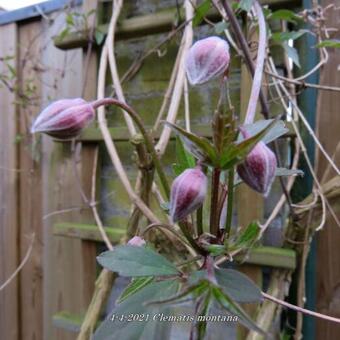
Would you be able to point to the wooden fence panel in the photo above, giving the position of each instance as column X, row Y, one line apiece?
column 30, row 192
column 9, row 256
column 328, row 240
column 65, row 271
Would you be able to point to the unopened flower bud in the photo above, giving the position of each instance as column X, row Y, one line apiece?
column 188, row 192
column 207, row 59
column 136, row 241
column 258, row 169
column 64, row 119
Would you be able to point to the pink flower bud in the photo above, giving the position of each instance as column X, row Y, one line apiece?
column 188, row 192
column 64, row 119
column 207, row 59
column 258, row 169
column 136, row 241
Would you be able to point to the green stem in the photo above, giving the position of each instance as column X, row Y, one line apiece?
column 230, row 201
column 215, row 183
column 151, row 149
column 148, row 142
column 199, row 215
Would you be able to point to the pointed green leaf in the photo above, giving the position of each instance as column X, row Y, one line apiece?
column 278, row 129
column 184, row 160
column 238, row 286
column 245, row 5
column 191, row 291
column 236, row 152
column 232, row 307
column 200, row 12
column 285, row 14
column 198, row 146
column 119, row 326
column 334, row 43
column 290, row 35
column 247, row 237
column 130, row 260
column 292, row 53
column 135, row 285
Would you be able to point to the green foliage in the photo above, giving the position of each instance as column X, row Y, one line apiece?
column 200, row 12
column 200, row 147
column 227, row 152
column 119, row 325
column 334, row 43
column 227, row 303
column 292, row 53
column 235, row 153
column 136, row 261
column 135, row 286
column 237, row 285
column 285, row 14
column 184, row 160
column 246, row 238
column 220, row 27
column 289, row 35
column 245, row 5
column 279, row 129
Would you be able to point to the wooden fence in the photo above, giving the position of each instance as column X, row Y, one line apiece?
column 42, row 212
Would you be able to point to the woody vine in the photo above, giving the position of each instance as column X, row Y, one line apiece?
column 238, row 152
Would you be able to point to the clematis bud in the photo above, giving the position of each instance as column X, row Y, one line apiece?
column 258, row 169
column 136, row 241
column 188, row 192
column 207, row 59
column 64, row 119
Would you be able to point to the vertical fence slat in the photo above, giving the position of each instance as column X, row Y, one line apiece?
column 31, row 276
column 64, row 268
column 9, row 257
column 328, row 239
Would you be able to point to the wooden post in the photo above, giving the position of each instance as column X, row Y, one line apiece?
column 9, row 229
column 328, row 239
column 30, row 202
column 251, row 207
column 68, row 278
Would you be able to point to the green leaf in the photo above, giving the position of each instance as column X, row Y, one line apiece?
column 292, row 53
column 137, row 305
column 69, row 19
column 220, row 27
column 247, row 237
column 238, row 286
column 245, row 5
column 99, row 36
column 235, row 153
column 184, row 160
column 63, row 33
column 278, row 129
column 329, row 43
column 288, row 172
column 130, row 260
column 232, row 307
column 135, row 285
column 285, row 14
column 193, row 291
column 198, row 146
column 200, row 12
column 285, row 36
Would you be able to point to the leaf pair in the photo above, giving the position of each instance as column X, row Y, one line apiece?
column 228, row 151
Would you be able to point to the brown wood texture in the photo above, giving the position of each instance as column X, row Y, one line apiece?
column 328, row 240
column 251, row 207
column 9, row 228
column 30, row 192
column 69, row 264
